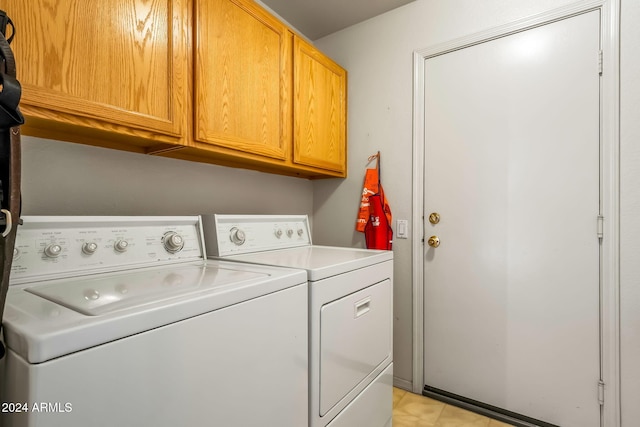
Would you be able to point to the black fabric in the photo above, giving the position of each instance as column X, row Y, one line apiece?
column 10, row 159
column 4, row 22
column 10, row 115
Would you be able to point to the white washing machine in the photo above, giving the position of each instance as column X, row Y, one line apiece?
column 350, row 312
column 121, row 321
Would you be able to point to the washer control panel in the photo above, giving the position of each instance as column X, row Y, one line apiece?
column 238, row 234
column 50, row 247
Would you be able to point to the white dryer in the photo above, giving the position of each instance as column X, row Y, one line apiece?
column 350, row 312
column 123, row 322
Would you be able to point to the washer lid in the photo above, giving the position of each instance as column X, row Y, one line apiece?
column 94, row 295
column 319, row 261
column 58, row 317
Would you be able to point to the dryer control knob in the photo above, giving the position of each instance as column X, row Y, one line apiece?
column 289, row 232
column 173, row 242
column 89, row 248
column 53, row 250
column 121, row 245
column 237, row 236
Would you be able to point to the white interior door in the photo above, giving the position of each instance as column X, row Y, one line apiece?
column 512, row 152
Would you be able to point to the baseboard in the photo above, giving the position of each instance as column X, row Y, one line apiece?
column 403, row 384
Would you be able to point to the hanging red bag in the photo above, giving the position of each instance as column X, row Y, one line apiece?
column 377, row 232
column 374, row 217
column 371, row 186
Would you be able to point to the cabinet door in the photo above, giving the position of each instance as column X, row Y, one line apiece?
column 102, row 63
column 242, row 78
column 320, row 109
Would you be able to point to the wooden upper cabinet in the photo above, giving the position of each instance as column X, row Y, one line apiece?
column 113, row 65
column 320, row 110
column 242, row 79
column 219, row 81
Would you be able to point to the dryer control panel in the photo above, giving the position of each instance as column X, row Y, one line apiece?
column 50, row 247
column 240, row 234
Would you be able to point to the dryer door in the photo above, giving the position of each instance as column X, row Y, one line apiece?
column 355, row 338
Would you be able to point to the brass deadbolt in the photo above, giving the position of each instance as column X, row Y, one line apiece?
column 434, row 218
column 434, row 241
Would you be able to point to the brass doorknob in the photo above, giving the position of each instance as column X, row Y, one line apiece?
column 434, row 241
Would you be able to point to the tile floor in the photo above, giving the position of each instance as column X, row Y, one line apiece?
column 412, row 410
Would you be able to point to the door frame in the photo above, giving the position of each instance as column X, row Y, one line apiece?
column 609, row 179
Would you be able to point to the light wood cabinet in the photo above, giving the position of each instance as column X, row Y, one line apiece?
column 219, row 81
column 114, row 70
column 320, row 110
column 246, row 72
column 242, row 70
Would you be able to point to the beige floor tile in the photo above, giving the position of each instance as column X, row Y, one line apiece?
column 423, row 408
column 453, row 416
column 406, row 420
column 398, row 394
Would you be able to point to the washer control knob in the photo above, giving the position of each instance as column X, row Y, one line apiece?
column 300, row 232
column 237, row 236
column 173, row 242
column 89, row 248
column 53, row 250
column 120, row 245
column 16, row 253
column 289, row 232
column 278, row 233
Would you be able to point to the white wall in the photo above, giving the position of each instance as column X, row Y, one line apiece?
column 62, row 178
column 378, row 57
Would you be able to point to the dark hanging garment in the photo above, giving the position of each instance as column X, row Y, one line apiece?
column 10, row 120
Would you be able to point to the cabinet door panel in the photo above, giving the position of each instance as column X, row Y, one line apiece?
column 242, row 68
column 319, row 109
column 117, row 61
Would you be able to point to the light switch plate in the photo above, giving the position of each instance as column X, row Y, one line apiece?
column 402, row 229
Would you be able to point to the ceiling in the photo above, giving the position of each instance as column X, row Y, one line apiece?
column 318, row 18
